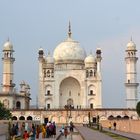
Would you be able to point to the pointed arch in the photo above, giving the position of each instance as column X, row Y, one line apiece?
column 91, row 103
column 29, row 118
column 48, row 103
column 18, row 105
column 14, row 118
column 70, row 89
column 21, row 118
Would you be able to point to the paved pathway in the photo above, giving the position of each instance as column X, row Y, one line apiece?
column 3, row 131
column 90, row 134
column 72, row 136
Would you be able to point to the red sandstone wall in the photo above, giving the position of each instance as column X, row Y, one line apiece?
column 124, row 125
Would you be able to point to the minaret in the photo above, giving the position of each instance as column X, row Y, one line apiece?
column 131, row 84
column 41, row 88
column 98, row 59
column 99, row 77
column 8, row 74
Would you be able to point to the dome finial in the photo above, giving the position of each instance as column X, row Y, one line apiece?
column 69, row 32
column 131, row 38
column 8, row 39
column 49, row 53
column 90, row 52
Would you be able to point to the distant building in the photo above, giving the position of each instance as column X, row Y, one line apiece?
column 8, row 94
column 131, row 83
column 69, row 78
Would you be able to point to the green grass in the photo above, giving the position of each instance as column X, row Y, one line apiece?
column 115, row 136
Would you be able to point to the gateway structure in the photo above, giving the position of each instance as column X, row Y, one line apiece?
column 70, row 77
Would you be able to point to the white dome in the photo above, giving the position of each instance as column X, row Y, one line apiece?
column 90, row 59
column 131, row 45
column 49, row 59
column 69, row 50
column 8, row 46
column 40, row 49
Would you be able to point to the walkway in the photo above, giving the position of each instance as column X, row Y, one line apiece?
column 89, row 134
column 72, row 136
column 3, row 131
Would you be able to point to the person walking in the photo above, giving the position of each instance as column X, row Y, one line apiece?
column 65, row 131
column 109, row 125
column 33, row 133
column 114, row 124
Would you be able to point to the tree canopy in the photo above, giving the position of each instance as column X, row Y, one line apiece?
column 4, row 113
column 138, row 108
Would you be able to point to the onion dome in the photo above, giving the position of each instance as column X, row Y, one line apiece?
column 90, row 59
column 23, row 83
column 131, row 45
column 8, row 46
column 69, row 50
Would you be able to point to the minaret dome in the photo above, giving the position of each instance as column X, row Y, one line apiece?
column 8, row 46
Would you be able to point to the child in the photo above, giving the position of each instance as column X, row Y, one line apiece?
column 25, row 135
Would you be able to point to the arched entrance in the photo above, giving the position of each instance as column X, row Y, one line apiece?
column 91, row 103
column 70, row 92
column 14, row 118
column 18, row 105
column 29, row 118
column 48, row 103
column 21, row 118
column 69, row 102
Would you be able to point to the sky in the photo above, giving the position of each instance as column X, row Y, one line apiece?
column 105, row 24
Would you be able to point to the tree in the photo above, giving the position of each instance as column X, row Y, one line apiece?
column 138, row 108
column 4, row 113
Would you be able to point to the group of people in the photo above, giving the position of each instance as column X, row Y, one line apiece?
column 114, row 125
column 32, row 131
column 64, row 129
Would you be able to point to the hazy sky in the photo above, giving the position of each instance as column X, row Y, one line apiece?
column 108, row 24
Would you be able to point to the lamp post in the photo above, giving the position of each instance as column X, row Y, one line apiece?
column 89, row 118
column 68, row 108
column 98, row 121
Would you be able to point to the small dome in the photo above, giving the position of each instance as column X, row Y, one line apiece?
column 49, row 59
column 131, row 45
column 27, row 86
column 23, row 82
column 90, row 59
column 69, row 50
column 8, row 46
